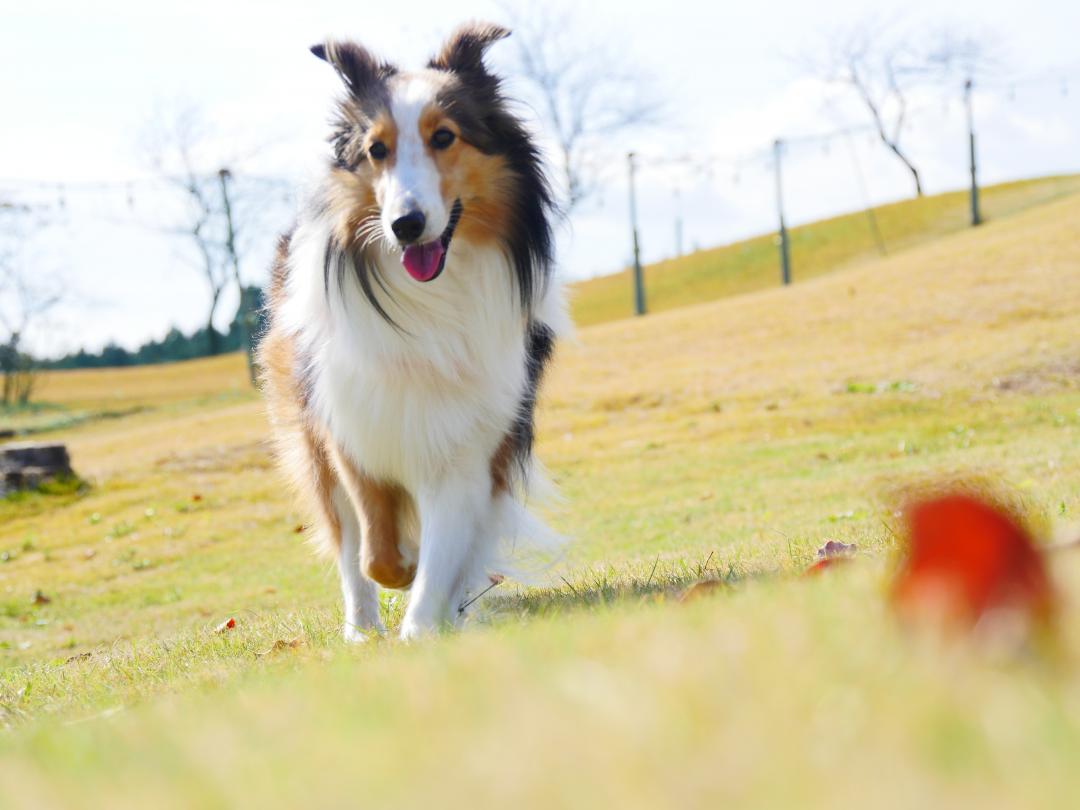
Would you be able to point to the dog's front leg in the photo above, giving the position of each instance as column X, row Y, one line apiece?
column 455, row 518
column 360, row 594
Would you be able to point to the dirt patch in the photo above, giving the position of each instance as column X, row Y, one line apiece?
column 1057, row 376
column 219, row 458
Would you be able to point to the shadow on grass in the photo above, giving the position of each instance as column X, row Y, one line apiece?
column 63, row 421
column 609, row 586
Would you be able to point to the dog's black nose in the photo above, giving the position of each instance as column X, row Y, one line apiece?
column 409, row 227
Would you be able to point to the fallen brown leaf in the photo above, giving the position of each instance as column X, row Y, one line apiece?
column 282, row 644
column 831, row 554
column 834, row 548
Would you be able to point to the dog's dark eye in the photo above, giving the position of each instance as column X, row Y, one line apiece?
column 442, row 138
column 378, row 151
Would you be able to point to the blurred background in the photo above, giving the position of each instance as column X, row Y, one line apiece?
column 152, row 153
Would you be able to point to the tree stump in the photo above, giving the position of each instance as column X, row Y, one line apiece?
column 26, row 464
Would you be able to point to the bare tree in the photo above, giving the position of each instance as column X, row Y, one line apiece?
column 885, row 66
column 877, row 65
column 221, row 212
column 175, row 146
column 26, row 295
column 586, row 92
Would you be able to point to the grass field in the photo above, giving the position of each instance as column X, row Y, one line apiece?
column 726, row 441
column 817, row 248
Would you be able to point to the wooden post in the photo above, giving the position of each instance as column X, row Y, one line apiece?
column 639, row 278
column 976, row 216
column 785, row 254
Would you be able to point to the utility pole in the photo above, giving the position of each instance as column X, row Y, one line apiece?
column 976, row 217
column 243, row 315
column 639, row 280
column 785, row 256
column 678, row 223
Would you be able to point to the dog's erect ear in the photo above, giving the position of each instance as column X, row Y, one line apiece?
column 464, row 50
column 354, row 63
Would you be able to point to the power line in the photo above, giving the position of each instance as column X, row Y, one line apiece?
column 130, row 187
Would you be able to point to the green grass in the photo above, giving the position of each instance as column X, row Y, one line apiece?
column 816, row 248
column 725, row 441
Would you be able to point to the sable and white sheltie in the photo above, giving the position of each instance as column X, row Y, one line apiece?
column 412, row 312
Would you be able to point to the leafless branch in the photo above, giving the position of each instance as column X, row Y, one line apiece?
column 586, row 93
column 179, row 147
column 884, row 66
column 26, row 296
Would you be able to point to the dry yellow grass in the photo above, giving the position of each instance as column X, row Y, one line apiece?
column 970, row 307
column 816, row 249
column 145, row 385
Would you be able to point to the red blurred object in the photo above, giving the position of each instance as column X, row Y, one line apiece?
column 967, row 558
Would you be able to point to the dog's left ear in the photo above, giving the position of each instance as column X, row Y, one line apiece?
column 354, row 64
column 464, row 51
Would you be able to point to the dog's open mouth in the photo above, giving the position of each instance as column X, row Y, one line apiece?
column 425, row 262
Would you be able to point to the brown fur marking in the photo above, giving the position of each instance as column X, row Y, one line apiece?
column 500, row 465
column 480, row 181
column 379, row 506
column 383, row 129
column 300, row 448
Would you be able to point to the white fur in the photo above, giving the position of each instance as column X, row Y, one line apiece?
column 412, row 181
column 426, row 406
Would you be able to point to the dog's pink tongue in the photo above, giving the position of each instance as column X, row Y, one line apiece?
column 422, row 261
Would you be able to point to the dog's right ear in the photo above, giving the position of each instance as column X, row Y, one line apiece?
column 464, row 51
column 354, row 63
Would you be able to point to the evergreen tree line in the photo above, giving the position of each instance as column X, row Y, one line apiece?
column 175, row 345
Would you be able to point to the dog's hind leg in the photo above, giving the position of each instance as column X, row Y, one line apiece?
column 360, row 594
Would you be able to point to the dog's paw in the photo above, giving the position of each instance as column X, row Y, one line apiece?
column 413, row 630
column 357, row 635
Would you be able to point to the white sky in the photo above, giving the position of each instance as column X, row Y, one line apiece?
column 81, row 81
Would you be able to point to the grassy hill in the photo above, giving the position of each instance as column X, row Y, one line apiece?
column 726, row 440
column 817, row 248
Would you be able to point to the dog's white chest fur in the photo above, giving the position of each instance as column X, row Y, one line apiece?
column 436, row 393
